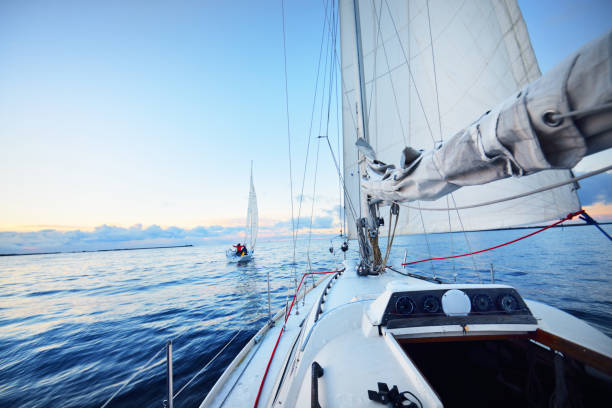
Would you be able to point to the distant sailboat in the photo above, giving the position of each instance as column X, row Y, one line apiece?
column 252, row 226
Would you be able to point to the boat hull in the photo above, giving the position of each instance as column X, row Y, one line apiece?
column 233, row 258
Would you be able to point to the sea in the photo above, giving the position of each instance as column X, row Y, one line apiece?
column 78, row 328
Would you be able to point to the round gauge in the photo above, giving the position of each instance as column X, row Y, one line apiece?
column 404, row 305
column 508, row 303
column 431, row 304
column 482, row 302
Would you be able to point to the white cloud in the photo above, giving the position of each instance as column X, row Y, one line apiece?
column 109, row 237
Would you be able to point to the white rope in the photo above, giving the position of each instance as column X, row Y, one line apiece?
column 126, row 382
column 514, row 197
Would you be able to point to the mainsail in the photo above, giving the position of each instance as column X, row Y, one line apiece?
column 417, row 72
column 252, row 220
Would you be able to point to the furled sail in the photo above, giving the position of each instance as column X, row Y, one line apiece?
column 415, row 73
column 252, row 220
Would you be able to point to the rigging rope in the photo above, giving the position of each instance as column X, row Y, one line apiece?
column 397, row 108
column 467, row 240
column 328, row 59
column 587, row 218
column 215, row 357
column 309, row 135
column 126, row 382
column 568, row 217
column 293, row 230
column 433, row 62
column 433, row 270
column 346, row 194
column 390, row 236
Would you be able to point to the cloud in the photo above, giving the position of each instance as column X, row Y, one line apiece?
column 596, row 189
column 110, row 237
column 599, row 211
column 138, row 236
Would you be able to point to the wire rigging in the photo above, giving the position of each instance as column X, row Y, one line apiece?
column 293, row 230
column 397, row 109
column 144, row 367
column 433, row 63
column 328, row 63
column 309, row 134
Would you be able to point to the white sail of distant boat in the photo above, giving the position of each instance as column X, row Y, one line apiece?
column 251, row 228
column 252, row 220
column 451, row 94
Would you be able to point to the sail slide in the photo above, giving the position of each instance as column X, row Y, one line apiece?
column 552, row 123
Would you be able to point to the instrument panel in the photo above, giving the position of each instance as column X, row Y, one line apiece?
column 468, row 305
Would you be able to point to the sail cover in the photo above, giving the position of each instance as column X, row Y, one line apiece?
column 252, row 220
column 429, row 69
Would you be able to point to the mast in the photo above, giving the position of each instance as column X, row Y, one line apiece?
column 367, row 227
column 360, row 85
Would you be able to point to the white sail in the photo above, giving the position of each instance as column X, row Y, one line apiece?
column 252, row 220
column 430, row 68
column 552, row 123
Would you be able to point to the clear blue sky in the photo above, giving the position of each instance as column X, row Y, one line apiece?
column 149, row 112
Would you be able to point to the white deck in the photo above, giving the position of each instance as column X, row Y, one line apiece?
column 354, row 356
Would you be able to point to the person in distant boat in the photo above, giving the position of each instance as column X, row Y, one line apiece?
column 240, row 249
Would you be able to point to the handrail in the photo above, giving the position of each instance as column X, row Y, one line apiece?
column 263, row 380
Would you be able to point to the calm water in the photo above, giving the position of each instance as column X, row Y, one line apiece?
column 74, row 326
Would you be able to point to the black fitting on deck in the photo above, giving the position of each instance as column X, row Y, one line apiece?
column 317, row 372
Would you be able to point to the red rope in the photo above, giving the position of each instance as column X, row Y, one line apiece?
column 263, row 380
column 568, row 217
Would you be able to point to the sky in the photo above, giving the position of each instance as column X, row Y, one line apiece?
column 136, row 122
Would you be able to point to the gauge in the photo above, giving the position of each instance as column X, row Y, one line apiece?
column 482, row 302
column 431, row 304
column 508, row 303
column 404, row 305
